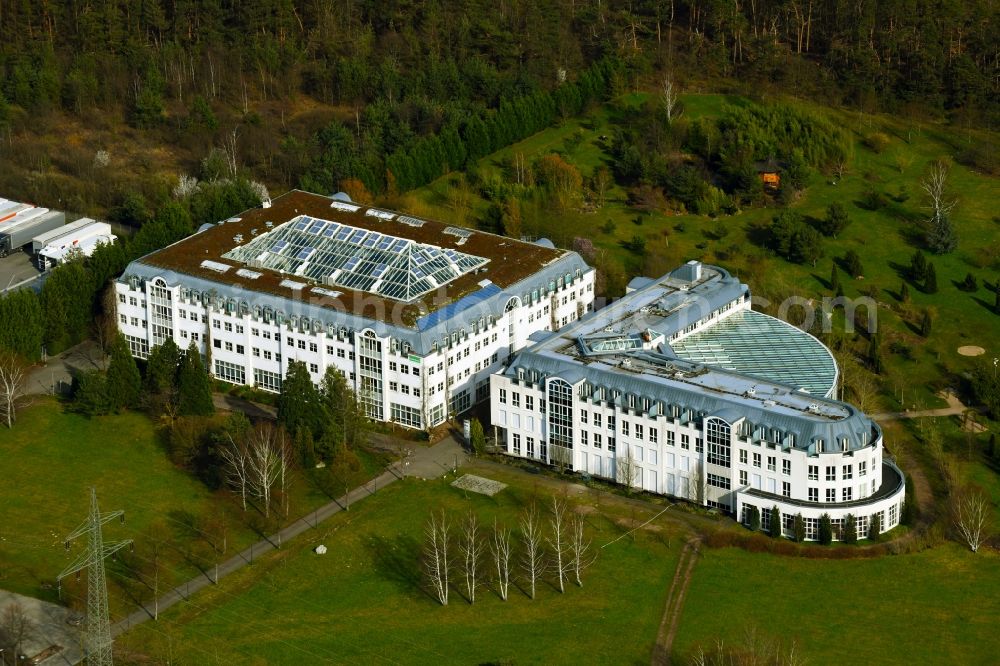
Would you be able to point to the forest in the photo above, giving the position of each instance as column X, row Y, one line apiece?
column 390, row 95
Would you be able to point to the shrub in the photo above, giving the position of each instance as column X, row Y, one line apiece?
column 872, row 199
column 852, row 263
column 877, row 141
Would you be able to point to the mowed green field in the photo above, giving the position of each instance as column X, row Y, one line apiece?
column 365, row 601
column 51, row 459
column 934, row 607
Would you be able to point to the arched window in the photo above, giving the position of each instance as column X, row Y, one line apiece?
column 718, row 436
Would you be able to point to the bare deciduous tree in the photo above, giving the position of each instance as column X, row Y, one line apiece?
column 230, row 146
column 697, row 490
column 436, row 565
column 285, row 461
column 236, row 462
column 559, row 541
column 628, row 469
column 972, row 512
column 13, row 385
column 265, row 445
column 472, row 547
column 579, row 544
column 532, row 554
column 16, row 626
column 501, row 547
column 935, row 184
column 669, row 98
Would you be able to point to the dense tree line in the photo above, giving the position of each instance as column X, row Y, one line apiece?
column 72, row 304
column 78, row 56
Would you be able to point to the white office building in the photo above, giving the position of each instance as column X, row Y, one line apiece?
column 417, row 314
column 680, row 388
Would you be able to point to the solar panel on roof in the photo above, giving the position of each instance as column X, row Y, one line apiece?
column 330, row 230
column 370, row 241
column 304, row 253
column 351, row 263
column 343, row 233
column 379, row 271
column 384, row 243
column 357, row 236
column 279, row 246
column 302, row 224
column 399, row 245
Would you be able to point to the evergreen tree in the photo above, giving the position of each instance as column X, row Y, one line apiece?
column 993, row 445
column 774, row 526
column 970, row 283
column 904, row 292
column 124, row 383
column 344, row 416
column 836, row 220
column 918, row 267
column 941, row 237
column 835, row 279
column 930, row 279
column 996, row 301
column 477, row 438
column 299, row 405
column 825, row 530
column 194, row 391
column 852, row 262
column 161, row 368
column 925, row 324
column 799, row 528
column 90, row 393
column 753, row 518
column 850, row 533
column 875, row 526
column 875, row 352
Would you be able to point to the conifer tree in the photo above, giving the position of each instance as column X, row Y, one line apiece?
column 875, row 352
column 161, row 367
column 875, row 526
column 123, row 383
column 774, row 527
column 850, row 534
column 799, row 528
column 825, row 530
column 835, row 279
column 925, row 324
column 299, row 403
column 930, row 279
column 753, row 518
column 904, row 292
column 194, row 391
column 918, row 267
column 996, row 302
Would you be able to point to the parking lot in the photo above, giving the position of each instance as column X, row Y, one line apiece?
column 17, row 270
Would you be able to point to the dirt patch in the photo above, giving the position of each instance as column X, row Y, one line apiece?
column 971, row 350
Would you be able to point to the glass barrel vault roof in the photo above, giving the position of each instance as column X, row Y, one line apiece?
column 345, row 256
column 758, row 345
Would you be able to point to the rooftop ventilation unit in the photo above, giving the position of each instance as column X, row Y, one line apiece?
column 269, row 224
column 238, row 238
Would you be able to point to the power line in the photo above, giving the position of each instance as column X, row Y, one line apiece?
column 98, row 643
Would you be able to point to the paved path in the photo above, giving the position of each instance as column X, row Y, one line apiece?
column 955, row 407
column 56, row 375
column 426, row 462
column 50, row 635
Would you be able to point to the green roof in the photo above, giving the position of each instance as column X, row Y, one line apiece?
column 758, row 345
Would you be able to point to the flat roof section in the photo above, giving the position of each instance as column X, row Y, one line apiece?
column 507, row 261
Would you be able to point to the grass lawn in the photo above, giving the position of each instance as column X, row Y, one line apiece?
column 884, row 239
column 50, row 461
column 937, row 606
column 363, row 602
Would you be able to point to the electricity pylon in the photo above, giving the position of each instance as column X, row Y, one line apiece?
column 98, row 642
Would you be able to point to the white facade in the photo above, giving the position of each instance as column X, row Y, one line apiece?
column 417, row 377
column 714, row 437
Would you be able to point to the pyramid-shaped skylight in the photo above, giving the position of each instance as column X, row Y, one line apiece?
column 341, row 255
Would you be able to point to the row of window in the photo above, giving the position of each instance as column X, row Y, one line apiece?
column 847, row 471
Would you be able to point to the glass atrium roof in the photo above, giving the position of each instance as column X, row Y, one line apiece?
column 346, row 256
column 755, row 344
